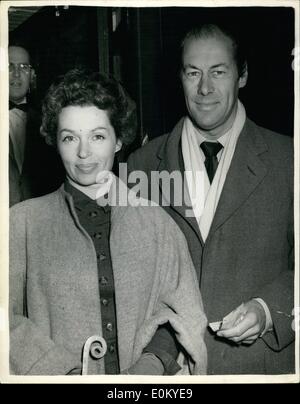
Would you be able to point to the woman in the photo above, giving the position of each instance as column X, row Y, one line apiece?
column 80, row 267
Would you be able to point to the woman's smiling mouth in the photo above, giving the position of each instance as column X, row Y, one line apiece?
column 87, row 168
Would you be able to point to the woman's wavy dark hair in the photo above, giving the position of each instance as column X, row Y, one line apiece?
column 80, row 87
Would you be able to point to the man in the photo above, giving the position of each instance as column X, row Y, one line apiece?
column 239, row 227
column 33, row 166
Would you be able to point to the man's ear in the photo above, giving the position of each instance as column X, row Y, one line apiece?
column 118, row 145
column 244, row 77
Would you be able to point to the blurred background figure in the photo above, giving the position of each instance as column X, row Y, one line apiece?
column 30, row 159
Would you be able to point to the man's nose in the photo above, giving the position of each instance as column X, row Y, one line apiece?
column 16, row 71
column 205, row 85
column 84, row 150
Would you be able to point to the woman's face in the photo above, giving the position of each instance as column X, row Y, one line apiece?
column 86, row 142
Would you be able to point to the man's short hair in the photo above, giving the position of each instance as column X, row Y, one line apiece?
column 212, row 30
column 80, row 87
column 18, row 43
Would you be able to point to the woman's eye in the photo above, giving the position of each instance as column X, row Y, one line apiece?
column 98, row 136
column 68, row 139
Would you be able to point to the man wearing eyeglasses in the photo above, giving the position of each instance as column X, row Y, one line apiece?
column 32, row 164
column 21, row 74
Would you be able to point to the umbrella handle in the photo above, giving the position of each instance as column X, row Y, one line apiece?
column 96, row 347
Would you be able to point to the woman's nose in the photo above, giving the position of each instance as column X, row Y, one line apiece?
column 84, row 150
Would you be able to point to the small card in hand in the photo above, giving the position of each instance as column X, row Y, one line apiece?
column 215, row 326
column 231, row 320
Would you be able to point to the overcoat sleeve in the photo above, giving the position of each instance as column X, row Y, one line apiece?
column 178, row 298
column 31, row 352
column 279, row 296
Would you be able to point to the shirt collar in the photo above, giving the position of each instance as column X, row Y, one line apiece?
column 80, row 199
column 222, row 139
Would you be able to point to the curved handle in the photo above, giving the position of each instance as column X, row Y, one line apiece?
column 96, row 347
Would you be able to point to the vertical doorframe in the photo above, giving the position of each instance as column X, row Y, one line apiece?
column 103, row 39
column 140, row 73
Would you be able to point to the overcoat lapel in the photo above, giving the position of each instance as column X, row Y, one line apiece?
column 245, row 173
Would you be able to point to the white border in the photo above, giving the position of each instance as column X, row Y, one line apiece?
column 4, row 374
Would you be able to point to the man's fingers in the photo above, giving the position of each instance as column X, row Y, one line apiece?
column 241, row 330
column 235, row 331
column 250, row 335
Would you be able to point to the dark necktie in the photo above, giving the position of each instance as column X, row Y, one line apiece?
column 211, row 150
column 22, row 107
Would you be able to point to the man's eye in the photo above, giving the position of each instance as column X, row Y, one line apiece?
column 218, row 73
column 192, row 73
column 24, row 66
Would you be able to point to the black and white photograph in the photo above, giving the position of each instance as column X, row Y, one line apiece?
column 149, row 210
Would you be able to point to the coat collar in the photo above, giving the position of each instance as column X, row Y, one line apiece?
column 169, row 153
column 245, row 173
column 121, row 199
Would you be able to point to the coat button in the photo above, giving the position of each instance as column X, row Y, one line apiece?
column 104, row 302
column 103, row 280
column 109, row 327
column 98, row 235
column 101, row 257
column 93, row 214
column 111, row 348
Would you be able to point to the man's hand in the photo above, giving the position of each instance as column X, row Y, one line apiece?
column 246, row 323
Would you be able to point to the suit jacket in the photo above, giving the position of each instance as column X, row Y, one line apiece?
column 249, row 249
column 42, row 170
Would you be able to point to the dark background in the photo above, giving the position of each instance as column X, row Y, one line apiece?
column 142, row 50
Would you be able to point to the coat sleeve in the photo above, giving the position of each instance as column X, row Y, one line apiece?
column 178, row 299
column 31, row 352
column 180, row 293
column 279, row 296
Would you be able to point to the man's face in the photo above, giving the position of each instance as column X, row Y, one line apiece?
column 19, row 79
column 211, row 83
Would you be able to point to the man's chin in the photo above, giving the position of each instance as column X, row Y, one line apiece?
column 206, row 125
column 17, row 99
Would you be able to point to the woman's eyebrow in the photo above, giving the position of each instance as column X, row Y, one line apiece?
column 66, row 130
column 99, row 127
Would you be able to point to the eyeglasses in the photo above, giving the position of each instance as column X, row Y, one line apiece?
column 23, row 67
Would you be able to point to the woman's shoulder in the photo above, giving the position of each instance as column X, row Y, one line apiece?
column 36, row 205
